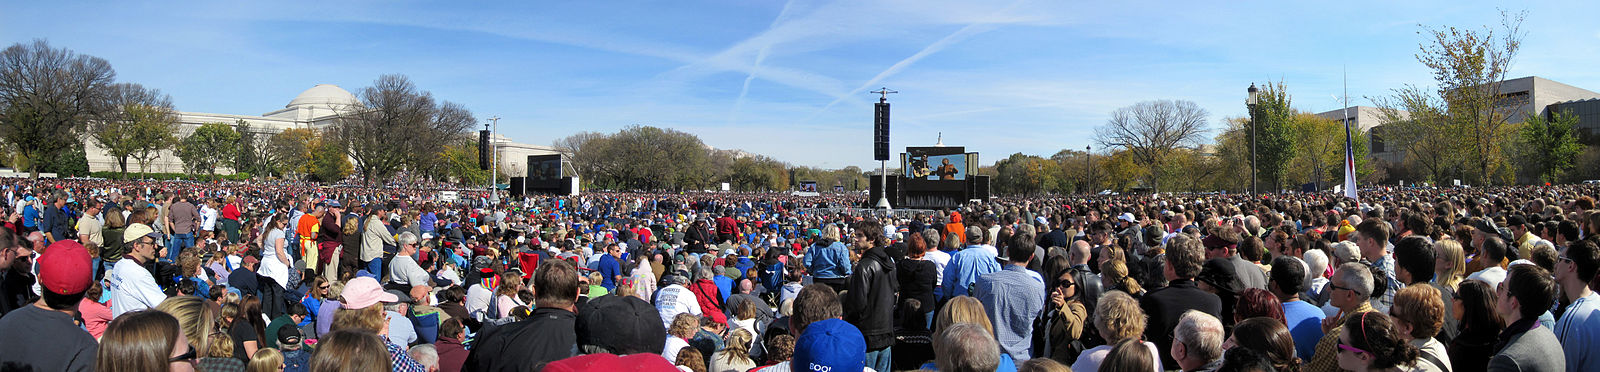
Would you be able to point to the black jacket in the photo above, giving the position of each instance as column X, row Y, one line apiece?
column 916, row 280
column 869, row 302
column 697, row 237
column 526, row 345
column 1165, row 306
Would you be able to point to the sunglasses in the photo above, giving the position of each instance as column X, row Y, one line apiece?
column 185, row 357
column 1353, row 349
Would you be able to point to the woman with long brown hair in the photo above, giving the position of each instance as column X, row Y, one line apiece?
column 144, row 341
column 247, row 328
column 350, row 350
column 505, row 297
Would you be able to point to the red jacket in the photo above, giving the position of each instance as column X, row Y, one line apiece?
column 710, row 298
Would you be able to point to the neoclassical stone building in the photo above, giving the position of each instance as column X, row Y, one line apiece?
column 315, row 109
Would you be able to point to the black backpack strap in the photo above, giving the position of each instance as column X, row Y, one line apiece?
column 1435, row 360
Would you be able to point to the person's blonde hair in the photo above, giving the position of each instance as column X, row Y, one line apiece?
column 350, row 227
column 218, row 345
column 1118, row 317
column 684, row 326
column 830, row 232
column 1117, row 271
column 195, row 317
column 265, row 360
column 737, row 349
column 1450, row 250
column 370, row 319
column 350, row 350
column 138, row 341
column 963, row 309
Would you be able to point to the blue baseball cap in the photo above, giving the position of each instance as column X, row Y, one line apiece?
column 830, row 345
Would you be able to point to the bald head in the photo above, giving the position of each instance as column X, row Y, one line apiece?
column 1079, row 255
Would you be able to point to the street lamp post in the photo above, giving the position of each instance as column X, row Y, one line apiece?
column 494, row 155
column 1251, row 104
column 1088, row 169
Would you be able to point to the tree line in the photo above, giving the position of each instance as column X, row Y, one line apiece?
column 53, row 100
column 641, row 157
column 1465, row 128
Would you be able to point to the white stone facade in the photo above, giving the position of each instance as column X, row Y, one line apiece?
column 315, row 109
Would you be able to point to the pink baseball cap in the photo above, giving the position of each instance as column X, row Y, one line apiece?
column 363, row 292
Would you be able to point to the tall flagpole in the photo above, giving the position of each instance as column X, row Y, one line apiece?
column 1349, row 149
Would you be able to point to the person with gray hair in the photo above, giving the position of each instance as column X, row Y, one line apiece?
column 966, row 347
column 1197, row 342
column 939, row 257
column 405, row 272
column 1349, row 291
column 1316, row 276
column 426, row 355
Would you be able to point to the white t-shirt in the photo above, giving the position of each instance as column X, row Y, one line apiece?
column 673, row 300
column 673, row 345
column 208, row 218
column 405, row 270
column 940, row 259
column 478, row 300
column 132, row 288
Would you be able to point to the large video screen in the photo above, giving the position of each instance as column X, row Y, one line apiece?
column 935, row 163
column 544, row 170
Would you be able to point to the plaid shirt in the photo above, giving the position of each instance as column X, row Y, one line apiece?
column 1325, row 358
column 402, row 360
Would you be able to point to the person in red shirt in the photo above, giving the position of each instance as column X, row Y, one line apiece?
column 230, row 220
column 727, row 227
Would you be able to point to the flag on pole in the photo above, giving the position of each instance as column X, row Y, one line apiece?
column 1349, row 164
column 1349, row 150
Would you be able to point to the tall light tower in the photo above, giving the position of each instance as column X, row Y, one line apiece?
column 1251, row 103
column 880, row 143
column 494, row 156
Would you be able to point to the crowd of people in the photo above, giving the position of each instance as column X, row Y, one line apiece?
column 284, row 276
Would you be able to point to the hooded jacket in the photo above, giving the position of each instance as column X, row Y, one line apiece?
column 710, row 299
column 869, row 301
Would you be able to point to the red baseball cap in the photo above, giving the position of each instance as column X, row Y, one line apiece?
column 64, row 268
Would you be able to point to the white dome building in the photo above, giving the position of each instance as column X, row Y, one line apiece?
column 319, row 102
column 314, row 108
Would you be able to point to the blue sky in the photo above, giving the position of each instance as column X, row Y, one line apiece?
column 790, row 79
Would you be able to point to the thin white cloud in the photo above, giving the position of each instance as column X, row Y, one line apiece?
column 978, row 27
column 755, row 67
